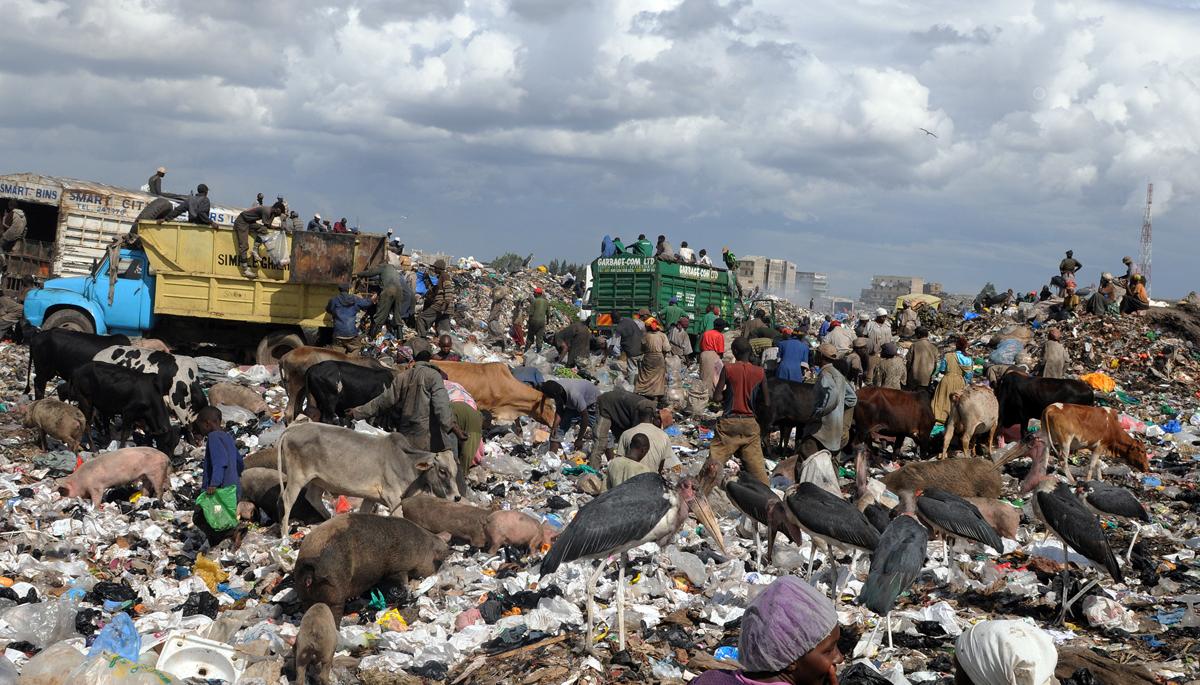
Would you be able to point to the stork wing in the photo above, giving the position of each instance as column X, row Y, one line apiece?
column 1115, row 500
column 616, row 518
column 750, row 496
column 828, row 515
column 895, row 563
column 1078, row 527
column 958, row 516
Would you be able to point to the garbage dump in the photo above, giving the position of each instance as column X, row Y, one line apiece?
column 136, row 590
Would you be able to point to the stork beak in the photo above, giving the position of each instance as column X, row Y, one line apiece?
column 704, row 514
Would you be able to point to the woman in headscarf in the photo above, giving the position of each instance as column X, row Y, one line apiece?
column 1004, row 653
column 789, row 635
column 956, row 367
column 652, row 375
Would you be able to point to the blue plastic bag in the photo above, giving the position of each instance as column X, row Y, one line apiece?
column 1172, row 426
column 119, row 637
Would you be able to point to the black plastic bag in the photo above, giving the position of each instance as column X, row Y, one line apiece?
column 199, row 603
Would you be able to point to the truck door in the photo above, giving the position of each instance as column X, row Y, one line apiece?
column 130, row 306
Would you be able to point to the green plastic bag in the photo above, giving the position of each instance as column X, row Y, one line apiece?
column 220, row 509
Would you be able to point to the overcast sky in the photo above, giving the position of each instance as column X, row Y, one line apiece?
column 773, row 126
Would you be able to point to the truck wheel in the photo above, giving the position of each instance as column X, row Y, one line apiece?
column 275, row 345
column 70, row 319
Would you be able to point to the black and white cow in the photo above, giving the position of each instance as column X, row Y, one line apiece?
column 176, row 377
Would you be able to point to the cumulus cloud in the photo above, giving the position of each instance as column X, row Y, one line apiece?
column 776, row 127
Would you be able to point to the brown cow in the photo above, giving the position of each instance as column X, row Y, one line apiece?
column 494, row 389
column 294, row 364
column 893, row 413
column 1070, row 425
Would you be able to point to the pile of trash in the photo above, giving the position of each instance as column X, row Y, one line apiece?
column 130, row 593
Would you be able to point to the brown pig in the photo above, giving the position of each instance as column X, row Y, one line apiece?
column 352, row 553
column 123, row 466
column 234, row 395
column 315, row 643
column 438, row 515
column 153, row 344
column 516, row 528
column 59, row 420
column 1000, row 515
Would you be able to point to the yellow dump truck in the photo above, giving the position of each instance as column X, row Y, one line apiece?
column 182, row 283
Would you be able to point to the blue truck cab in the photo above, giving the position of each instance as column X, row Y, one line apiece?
column 82, row 303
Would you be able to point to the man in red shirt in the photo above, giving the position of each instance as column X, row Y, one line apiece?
column 712, row 346
column 740, row 385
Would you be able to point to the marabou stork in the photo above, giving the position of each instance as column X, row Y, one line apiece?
column 895, row 563
column 952, row 516
column 832, row 520
column 760, row 503
column 1114, row 500
column 1055, row 503
column 645, row 508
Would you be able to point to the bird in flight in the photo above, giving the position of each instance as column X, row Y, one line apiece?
column 928, row 132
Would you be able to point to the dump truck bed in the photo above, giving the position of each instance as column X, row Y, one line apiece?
column 197, row 274
column 626, row 284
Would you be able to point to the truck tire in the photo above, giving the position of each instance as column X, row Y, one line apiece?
column 275, row 345
column 70, row 319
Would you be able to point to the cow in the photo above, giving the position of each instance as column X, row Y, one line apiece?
column 378, row 468
column 107, row 390
column 495, row 390
column 58, row 352
column 176, row 376
column 973, row 412
column 792, row 405
column 335, row 386
column 294, row 364
column 893, row 413
column 1098, row 428
column 1023, row 397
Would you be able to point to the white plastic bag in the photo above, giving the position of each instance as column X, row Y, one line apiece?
column 51, row 665
column 110, row 669
column 42, row 623
column 277, row 248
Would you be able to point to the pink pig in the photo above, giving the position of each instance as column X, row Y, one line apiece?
column 515, row 528
column 123, row 466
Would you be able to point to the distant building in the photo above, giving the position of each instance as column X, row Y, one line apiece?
column 774, row 276
column 811, row 285
column 885, row 289
column 933, row 288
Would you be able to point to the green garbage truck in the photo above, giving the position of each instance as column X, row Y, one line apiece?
column 625, row 284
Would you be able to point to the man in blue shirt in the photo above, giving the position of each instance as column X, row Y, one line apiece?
column 344, row 309
column 223, row 467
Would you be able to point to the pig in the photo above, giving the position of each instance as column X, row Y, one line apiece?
column 234, row 395
column 152, row 344
column 352, row 553
column 261, row 492
column 437, row 515
column 1000, row 515
column 973, row 412
column 118, row 468
column 315, row 643
column 59, row 420
column 515, row 528
column 965, row 477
